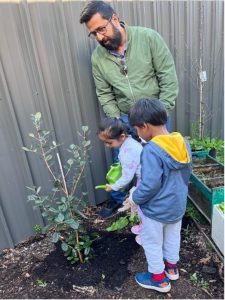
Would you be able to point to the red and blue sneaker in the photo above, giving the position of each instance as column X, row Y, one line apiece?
column 157, row 282
column 171, row 271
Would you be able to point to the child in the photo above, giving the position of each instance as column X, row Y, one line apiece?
column 162, row 193
column 116, row 134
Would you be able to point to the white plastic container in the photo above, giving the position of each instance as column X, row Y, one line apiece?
column 218, row 228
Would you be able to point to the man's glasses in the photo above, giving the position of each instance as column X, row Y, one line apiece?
column 102, row 30
column 123, row 69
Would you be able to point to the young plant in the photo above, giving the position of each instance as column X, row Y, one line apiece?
column 198, row 280
column 37, row 228
column 122, row 222
column 193, row 213
column 41, row 282
column 64, row 204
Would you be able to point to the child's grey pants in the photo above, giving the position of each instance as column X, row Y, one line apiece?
column 160, row 241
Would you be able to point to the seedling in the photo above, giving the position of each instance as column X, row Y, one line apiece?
column 37, row 228
column 199, row 281
column 41, row 282
column 122, row 222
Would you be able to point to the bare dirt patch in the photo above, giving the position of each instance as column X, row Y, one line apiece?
column 110, row 273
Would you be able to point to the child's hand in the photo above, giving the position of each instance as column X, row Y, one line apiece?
column 130, row 195
column 126, row 205
column 108, row 188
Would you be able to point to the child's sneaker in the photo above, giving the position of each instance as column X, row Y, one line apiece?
column 171, row 271
column 136, row 229
column 138, row 240
column 145, row 280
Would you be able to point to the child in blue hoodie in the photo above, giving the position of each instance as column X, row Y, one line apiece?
column 162, row 193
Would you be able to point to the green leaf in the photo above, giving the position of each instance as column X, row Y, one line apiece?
column 69, row 257
column 63, row 199
column 31, row 197
column 72, row 223
column 48, row 157
column 64, row 246
column 52, row 209
column 26, row 149
column 37, row 117
column 87, row 251
column 84, row 128
column 46, row 228
column 70, row 198
column 55, row 237
column 70, row 161
column 59, row 218
column 87, row 143
column 44, row 214
column 63, row 208
column 119, row 224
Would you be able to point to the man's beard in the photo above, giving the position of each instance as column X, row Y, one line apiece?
column 114, row 42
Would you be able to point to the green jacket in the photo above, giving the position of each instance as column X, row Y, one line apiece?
column 151, row 73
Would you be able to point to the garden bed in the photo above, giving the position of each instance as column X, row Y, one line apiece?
column 36, row 268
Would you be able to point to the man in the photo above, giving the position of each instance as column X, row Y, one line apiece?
column 130, row 63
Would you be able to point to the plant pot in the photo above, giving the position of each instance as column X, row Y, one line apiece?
column 218, row 228
column 199, row 153
column 213, row 152
column 206, row 186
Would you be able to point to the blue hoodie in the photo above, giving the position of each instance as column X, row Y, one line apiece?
column 165, row 172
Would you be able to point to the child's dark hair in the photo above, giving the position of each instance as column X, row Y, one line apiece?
column 114, row 127
column 150, row 111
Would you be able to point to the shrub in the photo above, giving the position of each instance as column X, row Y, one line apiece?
column 63, row 206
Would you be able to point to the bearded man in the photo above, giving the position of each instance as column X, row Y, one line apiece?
column 130, row 63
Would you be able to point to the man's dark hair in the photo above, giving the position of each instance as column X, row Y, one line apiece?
column 150, row 111
column 94, row 7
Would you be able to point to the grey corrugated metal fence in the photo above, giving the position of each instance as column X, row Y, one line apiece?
column 45, row 66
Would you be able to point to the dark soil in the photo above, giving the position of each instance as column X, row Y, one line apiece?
column 110, row 273
column 209, row 172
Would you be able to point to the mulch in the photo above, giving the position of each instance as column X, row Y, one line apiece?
column 110, row 273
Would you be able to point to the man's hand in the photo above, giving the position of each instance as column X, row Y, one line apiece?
column 108, row 188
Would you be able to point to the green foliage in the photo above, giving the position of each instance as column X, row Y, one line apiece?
column 221, row 207
column 220, row 155
column 206, row 143
column 41, row 282
column 199, row 281
column 63, row 206
column 192, row 212
column 186, row 231
column 122, row 222
column 84, row 246
column 119, row 224
column 38, row 228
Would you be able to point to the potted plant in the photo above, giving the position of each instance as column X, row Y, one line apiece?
column 210, row 146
